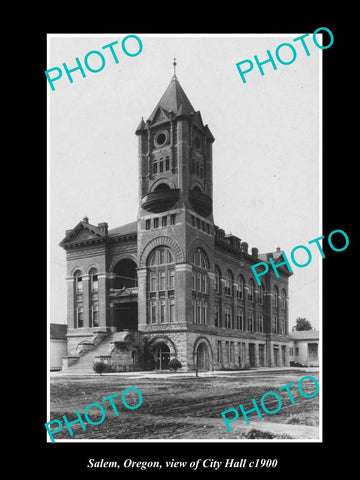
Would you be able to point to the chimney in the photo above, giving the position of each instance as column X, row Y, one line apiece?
column 245, row 247
column 85, row 219
column 103, row 227
column 254, row 252
column 278, row 249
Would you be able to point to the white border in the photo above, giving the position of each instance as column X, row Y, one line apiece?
column 202, row 440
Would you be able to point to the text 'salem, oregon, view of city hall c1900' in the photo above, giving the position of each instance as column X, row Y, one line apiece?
column 172, row 284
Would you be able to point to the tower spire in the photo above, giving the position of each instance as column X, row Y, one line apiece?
column 174, row 65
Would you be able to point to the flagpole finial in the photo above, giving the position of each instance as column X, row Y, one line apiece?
column 174, row 65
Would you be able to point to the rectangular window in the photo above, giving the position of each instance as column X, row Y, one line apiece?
column 167, row 164
column 193, row 220
column 198, row 282
column 172, row 310
column 217, row 316
column 296, row 350
column 80, row 317
column 204, row 312
column 194, row 280
column 153, row 282
column 162, row 311
column 95, row 315
column 79, row 285
column 172, row 219
column 155, row 168
column 162, row 279
column 208, row 228
column 251, row 321
column 251, row 293
column 228, row 317
column 275, row 325
column 203, row 225
column 153, row 311
column 171, row 279
column 261, row 323
column 203, row 282
column 161, row 169
column 291, row 352
column 194, row 311
column 198, row 312
column 313, row 351
column 239, row 320
column 147, row 224
column 164, row 221
column 156, row 223
column 198, row 223
column 94, row 283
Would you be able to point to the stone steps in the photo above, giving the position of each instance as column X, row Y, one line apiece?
column 85, row 363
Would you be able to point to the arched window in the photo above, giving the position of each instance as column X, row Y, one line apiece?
column 229, row 280
column 200, row 286
column 78, row 300
column 94, row 284
column 283, row 299
column 240, row 287
column 251, row 291
column 217, row 285
column 276, row 296
column 161, row 286
column 78, row 282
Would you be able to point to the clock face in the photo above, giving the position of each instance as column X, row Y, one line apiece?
column 161, row 138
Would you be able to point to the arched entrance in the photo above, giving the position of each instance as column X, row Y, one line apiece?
column 125, row 274
column 202, row 357
column 161, row 356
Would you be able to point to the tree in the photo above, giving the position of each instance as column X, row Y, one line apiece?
column 174, row 364
column 302, row 323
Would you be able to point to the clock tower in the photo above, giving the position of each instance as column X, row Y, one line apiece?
column 175, row 217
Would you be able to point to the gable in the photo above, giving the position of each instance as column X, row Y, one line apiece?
column 83, row 232
column 160, row 116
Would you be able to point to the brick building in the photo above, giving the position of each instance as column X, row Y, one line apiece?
column 172, row 284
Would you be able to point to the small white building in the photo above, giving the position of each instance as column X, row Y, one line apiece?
column 304, row 347
column 57, row 345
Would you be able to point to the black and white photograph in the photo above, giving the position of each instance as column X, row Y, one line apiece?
column 185, row 245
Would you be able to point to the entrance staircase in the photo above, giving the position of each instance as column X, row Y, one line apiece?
column 84, row 365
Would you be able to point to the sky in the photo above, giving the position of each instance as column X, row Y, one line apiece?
column 266, row 157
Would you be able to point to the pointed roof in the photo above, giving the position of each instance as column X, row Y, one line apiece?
column 174, row 100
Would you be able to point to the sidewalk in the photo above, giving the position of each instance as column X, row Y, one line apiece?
column 166, row 374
